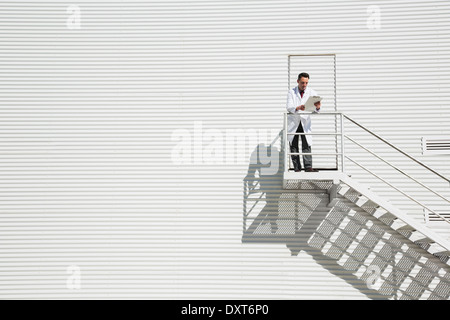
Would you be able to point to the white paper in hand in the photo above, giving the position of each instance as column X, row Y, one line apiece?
column 309, row 105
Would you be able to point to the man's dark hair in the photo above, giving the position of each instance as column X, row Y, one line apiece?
column 303, row 75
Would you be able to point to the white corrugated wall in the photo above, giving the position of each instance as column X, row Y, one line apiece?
column 123, row 169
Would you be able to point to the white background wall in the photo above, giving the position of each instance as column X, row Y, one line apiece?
column 94, row 97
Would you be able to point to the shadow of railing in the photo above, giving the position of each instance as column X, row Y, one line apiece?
column 345, row 240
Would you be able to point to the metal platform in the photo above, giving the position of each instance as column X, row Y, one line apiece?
column 332, row 176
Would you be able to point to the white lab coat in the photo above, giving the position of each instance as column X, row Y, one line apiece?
column 294, row 100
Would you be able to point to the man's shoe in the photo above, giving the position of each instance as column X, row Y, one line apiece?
column 311, row 170
column 297, row 170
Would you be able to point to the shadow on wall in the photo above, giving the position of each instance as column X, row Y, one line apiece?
column 344, row 239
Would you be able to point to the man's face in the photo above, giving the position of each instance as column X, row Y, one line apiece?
column 302, row 83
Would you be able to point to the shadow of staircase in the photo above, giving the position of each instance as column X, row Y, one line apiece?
column 344, row 239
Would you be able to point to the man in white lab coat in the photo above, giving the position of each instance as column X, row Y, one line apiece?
column 301, row 123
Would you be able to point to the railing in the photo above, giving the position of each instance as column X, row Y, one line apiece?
column 339, row 147
column 340, row 152
column 397, row 149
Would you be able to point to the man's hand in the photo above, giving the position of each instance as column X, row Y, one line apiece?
column 317, row 104
column 302, row 107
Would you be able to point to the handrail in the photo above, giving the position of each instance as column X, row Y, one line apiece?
column 396, row 168
column 399, row 150
column 375, row 135
column 402, row 192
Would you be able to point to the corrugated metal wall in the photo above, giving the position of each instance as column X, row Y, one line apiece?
column 128, row 133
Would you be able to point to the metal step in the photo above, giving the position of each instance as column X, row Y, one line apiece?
column 401, row 226
column 343, row 188
column 444, row 256
column 388, row 218
column 379, row 212
column 361, row 201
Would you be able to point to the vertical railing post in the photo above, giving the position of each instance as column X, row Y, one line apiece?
column 336, row 144
column 342, row 144
column 285, row 142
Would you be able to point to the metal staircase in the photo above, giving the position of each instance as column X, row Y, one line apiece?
column 380, row 207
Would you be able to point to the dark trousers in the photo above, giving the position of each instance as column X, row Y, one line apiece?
column 307, row 159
